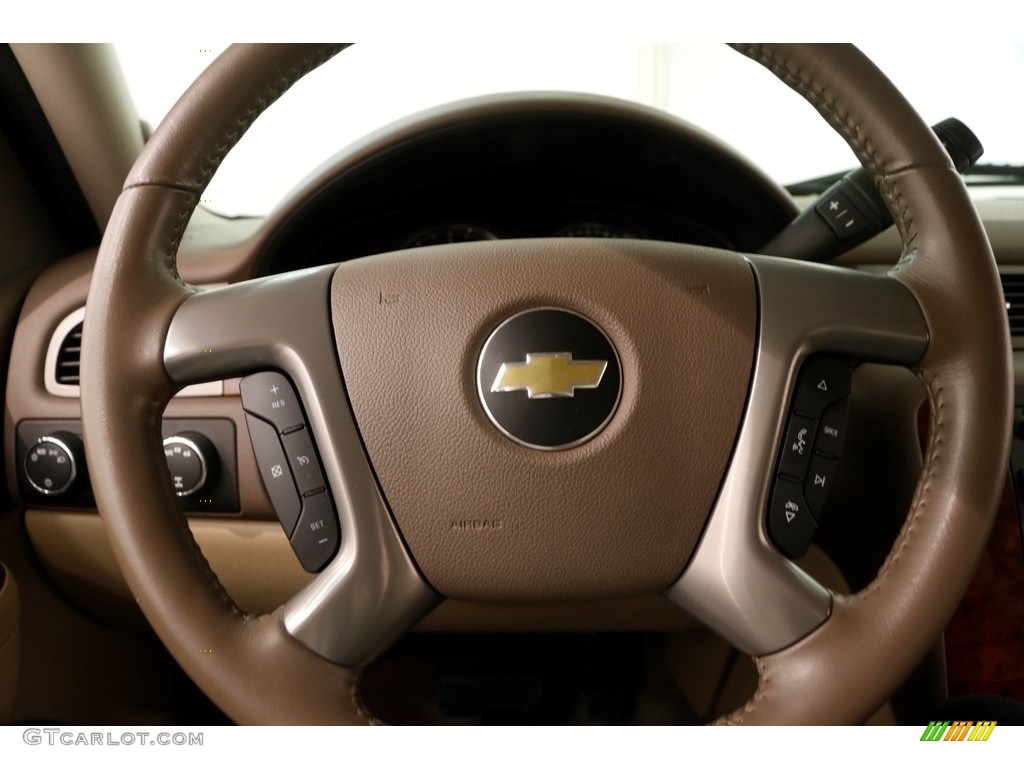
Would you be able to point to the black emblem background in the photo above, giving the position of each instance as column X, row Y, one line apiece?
column 549, row 422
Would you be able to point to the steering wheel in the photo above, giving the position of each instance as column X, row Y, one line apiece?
column 665, row 490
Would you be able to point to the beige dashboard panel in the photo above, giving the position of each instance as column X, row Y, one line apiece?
column 252, row 559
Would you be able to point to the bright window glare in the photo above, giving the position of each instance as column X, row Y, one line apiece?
column 371, row 85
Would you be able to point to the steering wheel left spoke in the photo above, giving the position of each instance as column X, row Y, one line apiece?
column 370, row 593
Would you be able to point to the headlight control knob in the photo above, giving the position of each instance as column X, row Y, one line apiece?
column 54, row 463
column 192, row 462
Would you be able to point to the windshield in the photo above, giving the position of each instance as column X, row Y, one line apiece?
column 371, row 85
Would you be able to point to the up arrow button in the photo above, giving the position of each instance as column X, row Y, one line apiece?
column 823, row 381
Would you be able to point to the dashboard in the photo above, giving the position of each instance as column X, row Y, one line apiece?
column 501, row 167
column 504, row 167
column 530, row 165
column 526, row 166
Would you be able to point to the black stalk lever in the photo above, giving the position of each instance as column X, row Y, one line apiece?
column 851, row 210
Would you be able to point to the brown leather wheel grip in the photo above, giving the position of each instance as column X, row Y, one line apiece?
column 839, row 673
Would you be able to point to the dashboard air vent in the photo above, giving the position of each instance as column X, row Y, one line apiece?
column 1013, row 292
column 68, row 357
column 64, row 354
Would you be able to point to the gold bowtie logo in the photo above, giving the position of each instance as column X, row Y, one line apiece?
column 549, row 374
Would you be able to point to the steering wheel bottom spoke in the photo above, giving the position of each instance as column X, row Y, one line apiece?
column 370, row 593
column 737, row 581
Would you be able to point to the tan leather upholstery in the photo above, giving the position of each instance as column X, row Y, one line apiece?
column 258, row 674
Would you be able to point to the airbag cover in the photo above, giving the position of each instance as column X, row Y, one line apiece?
column 487, row 518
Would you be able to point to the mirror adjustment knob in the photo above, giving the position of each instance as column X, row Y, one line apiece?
column 192, row 461
column 54, row 463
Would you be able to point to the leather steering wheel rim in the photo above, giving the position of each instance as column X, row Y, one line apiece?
column 259, row 673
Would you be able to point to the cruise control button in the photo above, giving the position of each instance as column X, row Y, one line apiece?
column 790, row 524
column 277, row 477
column 832, row 430
column 298, row 446
column 796, row 451
column 819, row 482
column 316, row 535
column 271, row 397
column 823, row 381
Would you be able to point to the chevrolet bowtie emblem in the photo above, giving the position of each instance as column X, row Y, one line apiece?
column 531, row 397
column 549, row 374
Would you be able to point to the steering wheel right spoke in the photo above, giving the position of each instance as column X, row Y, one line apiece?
column 370, row 592
column 738, row 581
